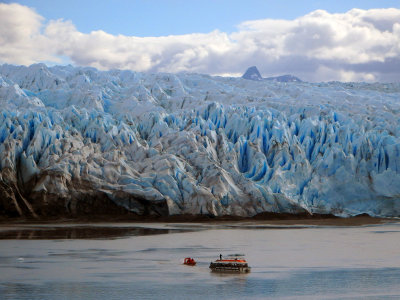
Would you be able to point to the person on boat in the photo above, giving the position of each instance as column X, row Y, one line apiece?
column 220, row 257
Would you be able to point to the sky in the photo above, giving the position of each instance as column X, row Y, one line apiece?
column 314, row 40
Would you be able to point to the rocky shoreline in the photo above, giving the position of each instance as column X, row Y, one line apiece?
column 264, row 218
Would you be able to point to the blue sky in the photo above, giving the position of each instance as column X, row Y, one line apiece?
column 354, row 40
column 174, row 17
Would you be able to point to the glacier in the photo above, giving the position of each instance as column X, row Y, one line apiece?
column 79, row 141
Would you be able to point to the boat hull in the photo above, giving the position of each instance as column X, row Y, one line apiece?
column 229, row 268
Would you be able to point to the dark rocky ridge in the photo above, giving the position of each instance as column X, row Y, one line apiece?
column 252, row 73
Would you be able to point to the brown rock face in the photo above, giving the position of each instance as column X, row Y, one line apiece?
column 12, row 202
column 82, row 200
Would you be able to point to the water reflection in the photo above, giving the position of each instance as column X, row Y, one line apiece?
column 335, row 284
column 82, row 232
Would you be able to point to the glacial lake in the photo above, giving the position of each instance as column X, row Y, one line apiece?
column 144, row 261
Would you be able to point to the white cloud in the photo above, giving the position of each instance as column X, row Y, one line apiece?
column 21, row 41
column 357, row 45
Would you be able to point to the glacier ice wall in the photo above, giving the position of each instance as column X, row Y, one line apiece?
column 83, row 141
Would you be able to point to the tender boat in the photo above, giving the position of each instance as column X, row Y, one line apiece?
column 233, row 264
column 189, row 261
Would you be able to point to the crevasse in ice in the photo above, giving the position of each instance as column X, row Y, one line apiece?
column 200, row 144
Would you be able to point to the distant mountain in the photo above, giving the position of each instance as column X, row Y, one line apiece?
column 252, row 73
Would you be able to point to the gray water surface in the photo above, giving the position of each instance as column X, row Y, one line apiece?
column 144, row 261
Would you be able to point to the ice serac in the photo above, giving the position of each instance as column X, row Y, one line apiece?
column 284, row 78
column 78, row 141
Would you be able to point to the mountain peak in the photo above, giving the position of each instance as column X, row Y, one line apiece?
column 252, row 73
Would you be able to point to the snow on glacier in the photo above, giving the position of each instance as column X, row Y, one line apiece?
column 204, row 145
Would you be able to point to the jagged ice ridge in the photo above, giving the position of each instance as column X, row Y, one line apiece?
column 73, row 140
